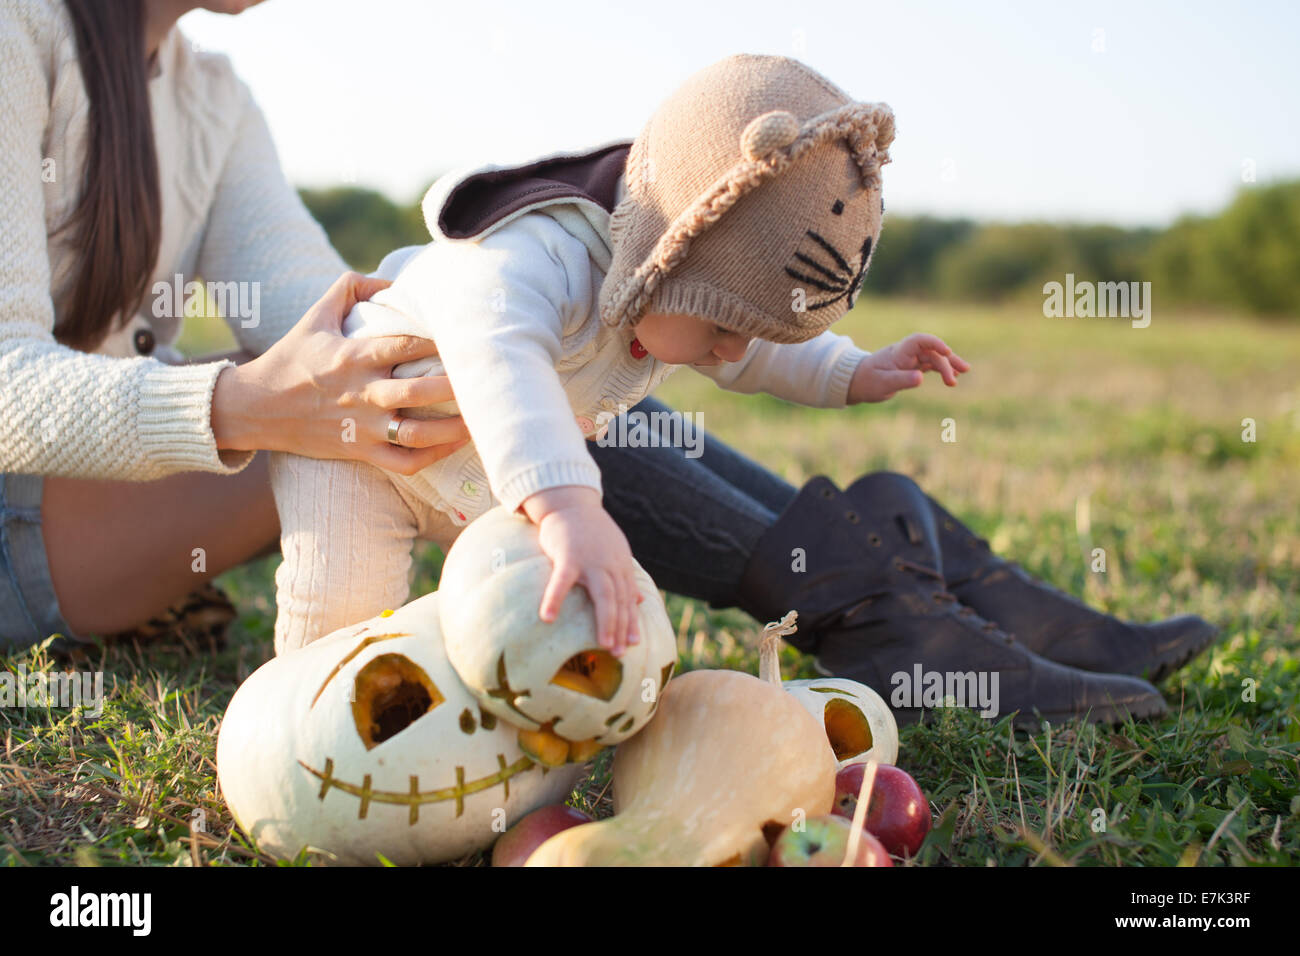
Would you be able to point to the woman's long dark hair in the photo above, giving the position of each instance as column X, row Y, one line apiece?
column 117, row 223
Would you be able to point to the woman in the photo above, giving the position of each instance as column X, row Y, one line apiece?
column 128, row 160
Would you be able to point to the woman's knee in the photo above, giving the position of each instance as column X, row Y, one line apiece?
column 119, row 552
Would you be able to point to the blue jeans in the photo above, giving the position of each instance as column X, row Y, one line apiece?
column 29, row 610
column 692, row 522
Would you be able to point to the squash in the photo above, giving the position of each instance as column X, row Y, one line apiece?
column 859, row 724
column 569, row 696
column 365, row 743
column 727, row 755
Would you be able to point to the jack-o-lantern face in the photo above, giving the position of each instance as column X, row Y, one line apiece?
column 366, row 742
column 390, row 693
column 569, row 696
column 859, row 724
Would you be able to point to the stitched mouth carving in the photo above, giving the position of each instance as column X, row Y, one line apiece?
column 827, row 269
column 414, row 798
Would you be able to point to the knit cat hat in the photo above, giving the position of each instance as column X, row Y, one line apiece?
column 753, row 201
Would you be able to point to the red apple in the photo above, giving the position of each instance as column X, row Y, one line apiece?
column 824, row 841
column 898, row 815
column 518, row 843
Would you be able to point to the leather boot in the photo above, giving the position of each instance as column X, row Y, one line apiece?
column 873, row 608
column 1050, row 622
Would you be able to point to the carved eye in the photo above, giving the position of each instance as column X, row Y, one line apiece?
column 838, row 207
column 594, row 673
column 391, row 693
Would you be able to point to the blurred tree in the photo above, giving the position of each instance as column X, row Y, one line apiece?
column 997, row 260
column 364, row 225
column 1247, row 257
column 904, row 261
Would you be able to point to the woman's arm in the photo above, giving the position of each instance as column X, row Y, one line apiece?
column 310, row 391
column 64, row 412
column 318, row 394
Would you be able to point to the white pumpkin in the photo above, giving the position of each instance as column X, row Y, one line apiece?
column 366, row 742
column 570, row 696
column 859, row 724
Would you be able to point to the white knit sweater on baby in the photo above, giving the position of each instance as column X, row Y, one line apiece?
column 515, row 314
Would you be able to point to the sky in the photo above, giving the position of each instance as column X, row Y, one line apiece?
column 1132, row 112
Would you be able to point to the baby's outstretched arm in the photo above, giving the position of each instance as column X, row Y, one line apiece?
column 884, row 373
column 501, row 310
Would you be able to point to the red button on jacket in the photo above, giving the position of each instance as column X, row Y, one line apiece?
column 637, row 349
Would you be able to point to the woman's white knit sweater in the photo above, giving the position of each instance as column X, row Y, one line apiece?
column 228, row 215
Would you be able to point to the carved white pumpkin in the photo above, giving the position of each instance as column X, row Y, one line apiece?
column 366, row 742
column 570, row 696
column 859, row 724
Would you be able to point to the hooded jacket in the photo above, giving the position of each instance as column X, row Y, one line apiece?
column 509, row 289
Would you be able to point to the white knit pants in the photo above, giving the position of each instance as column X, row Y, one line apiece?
column 346, row 532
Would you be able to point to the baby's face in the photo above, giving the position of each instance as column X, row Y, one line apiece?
column 685, row 340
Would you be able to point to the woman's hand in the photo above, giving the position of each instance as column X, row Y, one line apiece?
column 586, row 547
column 319, row 394
column 881, row 375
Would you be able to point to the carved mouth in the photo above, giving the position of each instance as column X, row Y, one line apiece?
column 415, row 797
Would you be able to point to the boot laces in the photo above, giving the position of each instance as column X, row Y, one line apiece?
column 944, row 596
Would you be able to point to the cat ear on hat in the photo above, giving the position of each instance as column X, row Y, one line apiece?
column 767, row 133
column 870, row 133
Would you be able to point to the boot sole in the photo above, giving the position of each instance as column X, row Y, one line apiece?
column 1181, row 656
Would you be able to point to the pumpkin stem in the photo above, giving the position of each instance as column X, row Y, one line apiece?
column 769, row 647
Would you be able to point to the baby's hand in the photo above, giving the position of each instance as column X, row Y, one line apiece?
column 883, row 374
column 587, row 548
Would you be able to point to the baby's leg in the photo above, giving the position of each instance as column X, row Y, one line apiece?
column 346, row 535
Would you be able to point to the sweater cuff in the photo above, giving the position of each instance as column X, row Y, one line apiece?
column 175, row 419
column 842, row 375
column 550, row 474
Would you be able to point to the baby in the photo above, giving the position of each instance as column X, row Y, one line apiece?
column 728, row 236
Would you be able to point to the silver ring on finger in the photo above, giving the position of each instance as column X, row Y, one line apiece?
column 393, row 425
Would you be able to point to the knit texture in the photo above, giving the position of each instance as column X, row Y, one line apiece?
column 754, row 202
column 346, row 531
column 228, row 216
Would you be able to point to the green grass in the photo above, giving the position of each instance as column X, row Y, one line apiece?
column 1071, row 434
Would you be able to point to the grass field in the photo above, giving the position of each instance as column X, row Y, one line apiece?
column 1071, row 434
